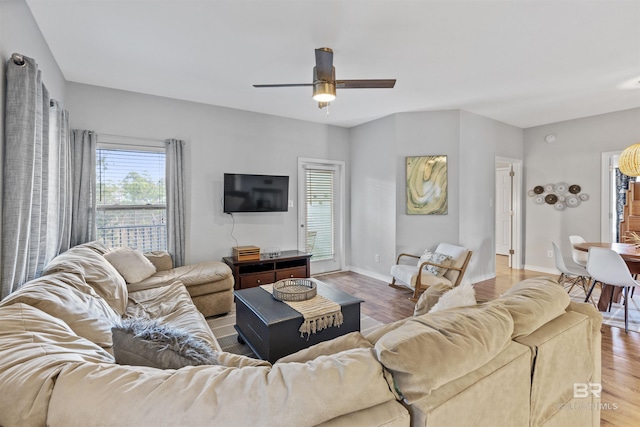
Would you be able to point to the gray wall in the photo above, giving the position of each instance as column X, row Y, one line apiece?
column 373, row 196
column 574, row 158
column 218, row 140
column 380, row 224
column 481, row 141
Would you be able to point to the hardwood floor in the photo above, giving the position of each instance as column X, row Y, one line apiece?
column 620, row 400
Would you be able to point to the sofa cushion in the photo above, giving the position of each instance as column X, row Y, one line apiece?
column 287, row 394
column 148, row 343
column 232, row 360
column 430, row 350
column 190, row 275
column 171, row 305
column 67, row 297
column 345, row 342
column 131, row 264
column 34, row 348
column 564, row 356
column 95, row 271
column 160, row 259
column 97, row 246
column 534, row 302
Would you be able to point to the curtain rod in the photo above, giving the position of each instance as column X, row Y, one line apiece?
column 131, row 137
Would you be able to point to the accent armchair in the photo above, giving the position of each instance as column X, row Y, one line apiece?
column 446, row 265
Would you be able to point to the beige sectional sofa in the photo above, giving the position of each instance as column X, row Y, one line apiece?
column 210, row 283
column 509, row 362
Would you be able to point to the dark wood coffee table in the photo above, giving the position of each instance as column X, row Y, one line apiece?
column 270, row 327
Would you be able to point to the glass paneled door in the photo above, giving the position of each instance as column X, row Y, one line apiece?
column 320, row 212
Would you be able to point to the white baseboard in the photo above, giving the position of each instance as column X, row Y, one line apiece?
column 542, row 269
column 388, row 279
column 476, row 279
column 372, row 274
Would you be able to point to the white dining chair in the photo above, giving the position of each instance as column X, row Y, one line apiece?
column 606, row 266
column 570, row 272
column 579, row 257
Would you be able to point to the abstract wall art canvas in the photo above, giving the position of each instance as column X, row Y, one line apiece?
column 427, row 185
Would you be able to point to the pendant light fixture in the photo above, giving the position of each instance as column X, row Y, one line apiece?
column 629, row 161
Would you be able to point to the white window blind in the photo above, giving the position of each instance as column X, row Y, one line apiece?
column 320, row 213
column 131, row 198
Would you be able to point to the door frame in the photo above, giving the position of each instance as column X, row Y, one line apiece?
column 340, row 239
column 509, row 198
column 606, row 195
column 516, row 260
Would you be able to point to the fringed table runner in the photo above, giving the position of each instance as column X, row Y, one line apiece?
column 318, row 312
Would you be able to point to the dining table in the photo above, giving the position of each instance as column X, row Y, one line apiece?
column 629, row 252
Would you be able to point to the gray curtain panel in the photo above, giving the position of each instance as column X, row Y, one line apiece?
column 59, row 214
column 26, row 194
column 176, row 205
column 82, row 154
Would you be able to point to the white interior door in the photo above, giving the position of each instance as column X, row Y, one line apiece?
column 320, row 213
column 503, row 211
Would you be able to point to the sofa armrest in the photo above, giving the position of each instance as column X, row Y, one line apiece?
column 160, row 259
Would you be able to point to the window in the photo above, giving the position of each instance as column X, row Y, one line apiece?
column 320, row 213
column 131, row 198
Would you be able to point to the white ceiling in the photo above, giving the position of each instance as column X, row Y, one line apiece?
column 522, row 62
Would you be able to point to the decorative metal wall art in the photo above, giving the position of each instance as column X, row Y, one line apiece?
column 560, row 195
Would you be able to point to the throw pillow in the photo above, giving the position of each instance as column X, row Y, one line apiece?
column 437, row 258
column 131, row 264
column 144, row 342
column 460, row 296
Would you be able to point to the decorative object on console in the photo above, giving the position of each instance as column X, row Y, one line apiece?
column 142, row 342
column 560, row 195
column 272, row 252
column 427, row 185
column 246, row 253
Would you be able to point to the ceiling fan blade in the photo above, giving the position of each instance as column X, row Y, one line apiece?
column 286, row 85
column 324, row 64
column 365, row 84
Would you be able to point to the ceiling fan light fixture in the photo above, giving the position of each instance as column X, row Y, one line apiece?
column 324, row 91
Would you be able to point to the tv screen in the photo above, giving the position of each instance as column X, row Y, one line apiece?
column 255, row 193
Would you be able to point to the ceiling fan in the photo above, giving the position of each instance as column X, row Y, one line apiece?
column 325, row 83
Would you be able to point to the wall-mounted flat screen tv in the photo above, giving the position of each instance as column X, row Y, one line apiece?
column 255, row 193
